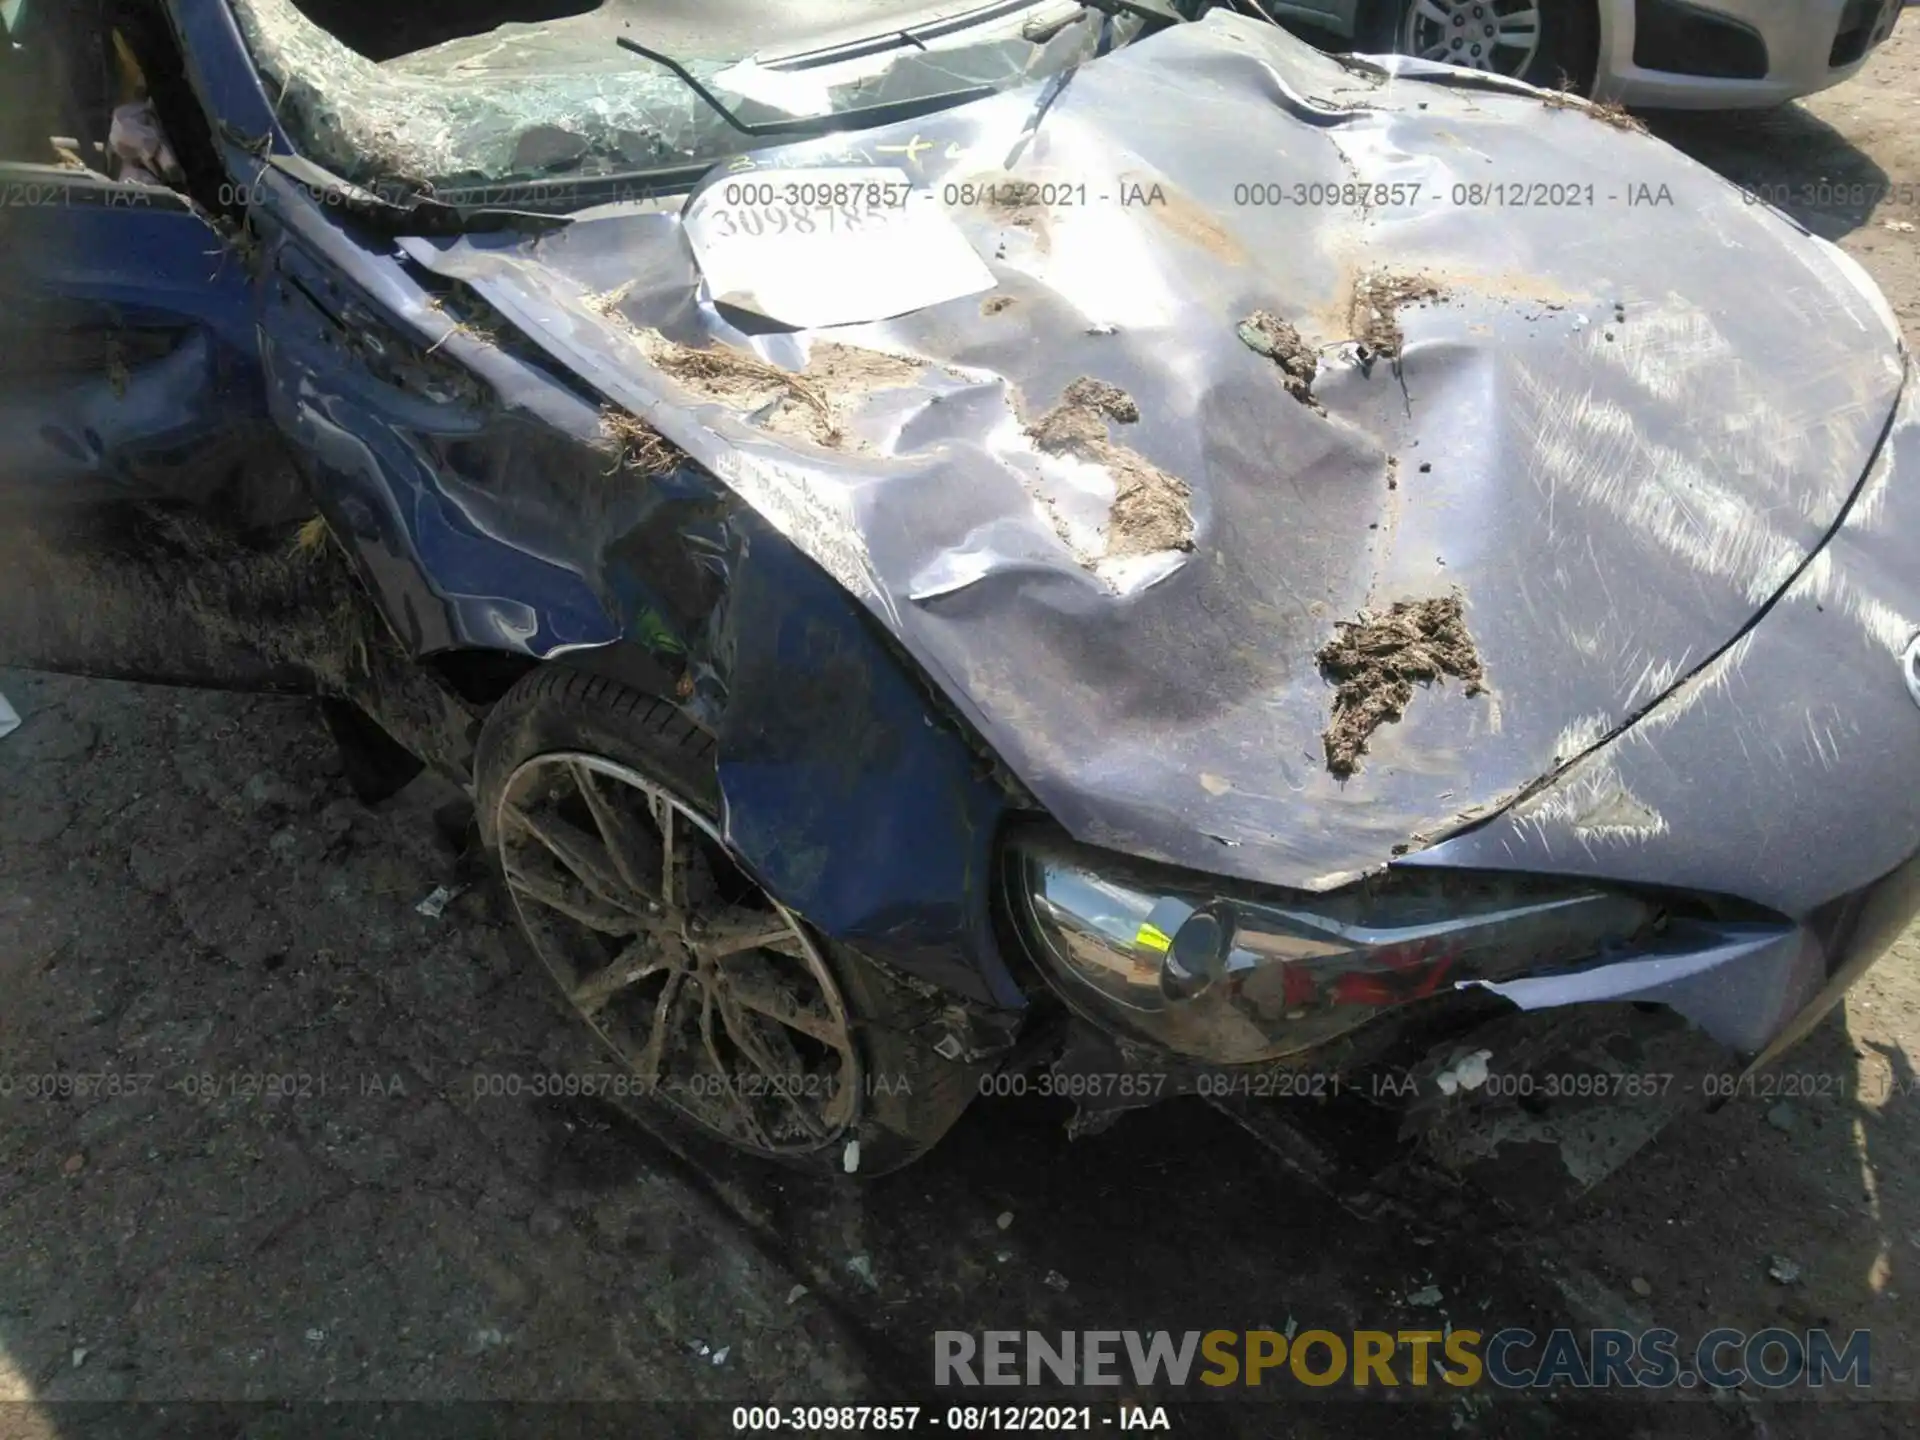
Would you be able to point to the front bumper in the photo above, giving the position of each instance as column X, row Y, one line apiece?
column 1778, row 772
column 1808, row 45
column 1774, row 778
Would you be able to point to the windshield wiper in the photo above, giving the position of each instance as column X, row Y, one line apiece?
column 860, row 117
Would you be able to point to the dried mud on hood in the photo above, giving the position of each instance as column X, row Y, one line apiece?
column 1150, row 510
column 811, row 404
column 1267, row 334
column 1375, row 661
column 1374, row 315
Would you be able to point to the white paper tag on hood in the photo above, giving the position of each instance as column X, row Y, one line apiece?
column 832, row 246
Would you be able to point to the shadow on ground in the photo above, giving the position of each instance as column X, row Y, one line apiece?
column 283, row 1144
column 1788, row 157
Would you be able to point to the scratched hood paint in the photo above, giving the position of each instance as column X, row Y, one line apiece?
column 1621, row 431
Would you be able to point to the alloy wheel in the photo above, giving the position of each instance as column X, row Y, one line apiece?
column 713, row 994
column 1497, row 35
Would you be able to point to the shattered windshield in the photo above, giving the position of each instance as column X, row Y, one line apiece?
column 400, row 104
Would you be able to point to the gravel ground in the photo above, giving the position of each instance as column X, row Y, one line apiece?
column 308, row 1165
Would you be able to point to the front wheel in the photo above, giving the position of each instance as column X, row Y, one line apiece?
column 724, row 1011
column 1550, row 43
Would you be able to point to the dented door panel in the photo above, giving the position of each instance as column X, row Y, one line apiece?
column 126, row 343
column 398, row 438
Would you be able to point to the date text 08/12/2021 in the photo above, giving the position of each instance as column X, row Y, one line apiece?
column 951, row 1419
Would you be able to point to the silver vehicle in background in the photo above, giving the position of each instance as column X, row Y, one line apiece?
column 1677, row 54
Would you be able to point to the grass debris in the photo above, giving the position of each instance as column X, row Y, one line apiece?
column 636, row 445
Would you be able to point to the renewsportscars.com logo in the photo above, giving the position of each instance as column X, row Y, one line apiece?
column 1511, row 1358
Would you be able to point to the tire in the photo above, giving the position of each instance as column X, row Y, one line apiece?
column 904, row 1095
column 1566, row 57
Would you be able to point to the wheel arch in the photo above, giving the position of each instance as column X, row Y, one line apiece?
column 922, row 1047
column 854, row 796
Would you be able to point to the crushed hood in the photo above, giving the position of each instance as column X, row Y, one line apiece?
column 1628, row 406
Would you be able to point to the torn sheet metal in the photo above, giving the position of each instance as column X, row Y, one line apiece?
column 1739, row 983
column 1603, row 444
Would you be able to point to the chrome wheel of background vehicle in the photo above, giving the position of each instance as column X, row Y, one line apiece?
column 1551, row 43
column 712, row 993
column 1498, row 35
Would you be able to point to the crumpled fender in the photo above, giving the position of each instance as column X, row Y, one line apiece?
column 1624, row 424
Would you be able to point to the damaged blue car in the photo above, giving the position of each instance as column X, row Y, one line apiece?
column 1065, row 537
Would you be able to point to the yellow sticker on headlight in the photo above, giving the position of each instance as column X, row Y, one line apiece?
column 1153, row 938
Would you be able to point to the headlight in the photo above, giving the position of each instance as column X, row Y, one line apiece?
column 1234, row 974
